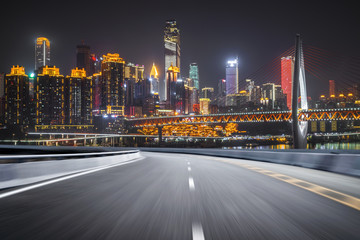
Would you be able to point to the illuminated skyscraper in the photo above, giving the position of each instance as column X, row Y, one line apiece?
column 50, row 96
column 287, row 66
column 112, row 85
column 232, row 77
column 172, row 75
column 154, row 80
column 194, row 74
column 78, row 98
column 172, row 52
column 42, row 52
column 332, row 88
column 17, row 105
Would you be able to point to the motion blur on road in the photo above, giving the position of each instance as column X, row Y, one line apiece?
column 184, row 196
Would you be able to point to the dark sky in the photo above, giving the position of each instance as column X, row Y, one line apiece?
column 211, row 33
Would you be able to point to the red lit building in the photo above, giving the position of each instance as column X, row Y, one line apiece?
column 287, row 65
column 331, row 87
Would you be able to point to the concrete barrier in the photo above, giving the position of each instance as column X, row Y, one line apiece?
column 337, row 162
column 20, row 172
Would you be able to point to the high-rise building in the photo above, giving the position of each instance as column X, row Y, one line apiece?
column 204, row 106
column 194, row 74
column 96, row 86
column 42, row 52
column 83, row 58
column 332, row 88
column 112, row 85
column 287, row 66
column 172, row 53
column 50, row 96
column 16, row 92
column 78, row 98
column 207, row 92
column 172, row 75
column 154, row 80
column 232, row 77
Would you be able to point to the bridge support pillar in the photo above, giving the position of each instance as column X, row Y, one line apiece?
column 299, row 128
column 160, row 134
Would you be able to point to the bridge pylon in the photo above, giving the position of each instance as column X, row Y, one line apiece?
column 299, row 128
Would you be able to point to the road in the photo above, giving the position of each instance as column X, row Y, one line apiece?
column 182, row 196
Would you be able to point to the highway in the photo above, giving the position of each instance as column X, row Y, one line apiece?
column 183, row 196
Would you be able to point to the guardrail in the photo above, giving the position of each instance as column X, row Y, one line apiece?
column 47, row 157
column 337, row 162
column 26, row 169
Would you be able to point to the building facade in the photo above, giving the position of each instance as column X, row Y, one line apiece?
column 232, row 77
column 194, row 75
column 17, row 100
column 172, row 53
column 42, row 52
column 50, row 97
column 287, row 68
column 112, row 84
column 78, row 98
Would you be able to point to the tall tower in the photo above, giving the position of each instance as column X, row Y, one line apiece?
column 42, row 52
column 83, row 57
column 154, row 80
column 194, row 74
column 232, row 77
column 112, row 84
column 17, row 101
column 172, row 52
column 172, row 75
column 332, row 88
column 287, row 68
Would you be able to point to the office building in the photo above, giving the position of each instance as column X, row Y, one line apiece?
column 112, row 85
column 154, row 80
column 172, row 75
column 50, row 96
column 83, row 58
column 42, row 52
column 78, row 98
column 17, row 100
column 332, row 88
column 194, row 75
column 172, row 53
column 204, row 106
column 232, row 77
column 207, row 92
column 287, row 68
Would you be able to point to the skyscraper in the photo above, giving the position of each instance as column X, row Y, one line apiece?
column 172, row 75
column 287, row 66
column 112, row 85
column 78, row 98
column 194, row 74
column 154, row 80
column 50, row 96
column 17, row 101
column 232, row 77
column 83, row 58
column 332, row 88
column 172, row 52
column 42, row 52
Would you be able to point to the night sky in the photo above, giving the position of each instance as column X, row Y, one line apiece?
column 211, row 33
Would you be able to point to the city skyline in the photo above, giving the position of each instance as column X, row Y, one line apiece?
column 256, row 39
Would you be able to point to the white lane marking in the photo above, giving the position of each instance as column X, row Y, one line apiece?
column 197, row 232
column 96, row 169
column 189, row 169
column 191, row 183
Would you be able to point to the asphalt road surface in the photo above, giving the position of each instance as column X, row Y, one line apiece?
column 181, row 196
